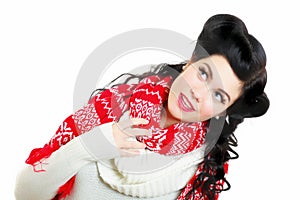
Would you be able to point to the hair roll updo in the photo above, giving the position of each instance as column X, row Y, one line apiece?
column 224, row 35
column 227, row 35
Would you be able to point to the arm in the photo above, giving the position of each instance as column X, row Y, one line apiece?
column 50, row 167
column 42, row 180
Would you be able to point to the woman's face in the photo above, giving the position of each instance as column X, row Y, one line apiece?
column 203, row 90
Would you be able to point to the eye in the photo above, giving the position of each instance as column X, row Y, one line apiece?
column 219, row 97
column 203, row 74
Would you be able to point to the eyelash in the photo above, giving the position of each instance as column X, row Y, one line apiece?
column 202, row 72
column 222, row 100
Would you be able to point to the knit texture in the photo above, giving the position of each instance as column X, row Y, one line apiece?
column 143, row 100
column 89, row 185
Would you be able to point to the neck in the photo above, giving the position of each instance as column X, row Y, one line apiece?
column 167, row 118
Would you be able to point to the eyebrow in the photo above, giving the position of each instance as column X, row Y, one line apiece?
column 211, row 76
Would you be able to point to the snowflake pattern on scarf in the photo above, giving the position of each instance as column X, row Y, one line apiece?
column 143, row 100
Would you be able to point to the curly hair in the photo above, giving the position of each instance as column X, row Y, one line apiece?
column 224, row 35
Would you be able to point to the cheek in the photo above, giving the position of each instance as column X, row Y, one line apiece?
column 207, row 110
column 172, row 105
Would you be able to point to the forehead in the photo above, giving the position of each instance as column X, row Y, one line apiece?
column 223, row 76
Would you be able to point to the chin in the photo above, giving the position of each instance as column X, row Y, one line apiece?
column 191, row 120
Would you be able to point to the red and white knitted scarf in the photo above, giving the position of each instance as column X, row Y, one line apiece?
column 143, row 100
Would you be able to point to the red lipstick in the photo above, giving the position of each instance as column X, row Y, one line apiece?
column 184, row 103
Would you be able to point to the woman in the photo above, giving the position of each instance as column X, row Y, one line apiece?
column 191, row 112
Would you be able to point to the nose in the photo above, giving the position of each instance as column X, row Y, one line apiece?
column 199, row 94
column 196, row 95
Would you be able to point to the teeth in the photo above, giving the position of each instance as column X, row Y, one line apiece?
column 186, row 103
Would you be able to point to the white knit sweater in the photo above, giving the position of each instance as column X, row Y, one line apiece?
column 149, row 183
column 147, row 176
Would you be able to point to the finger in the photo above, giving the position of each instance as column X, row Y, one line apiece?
column 137, row 121
column 137, row 132
column 124, row 124
column 130, row 122
column 132, row 145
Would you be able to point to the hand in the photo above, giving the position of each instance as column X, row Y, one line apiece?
column 125, row 136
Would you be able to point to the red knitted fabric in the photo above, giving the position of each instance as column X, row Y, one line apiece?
column 143, row 100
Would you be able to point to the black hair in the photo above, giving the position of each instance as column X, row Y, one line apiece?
column 225, row 35
column 228, row 36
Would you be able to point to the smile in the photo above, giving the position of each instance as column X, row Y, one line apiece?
column 184, row 103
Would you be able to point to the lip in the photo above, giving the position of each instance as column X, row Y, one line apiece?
column 184, row 103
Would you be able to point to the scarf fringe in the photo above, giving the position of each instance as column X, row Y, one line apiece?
column 65, row 189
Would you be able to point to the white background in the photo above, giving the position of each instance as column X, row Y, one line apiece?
column 44, row 43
